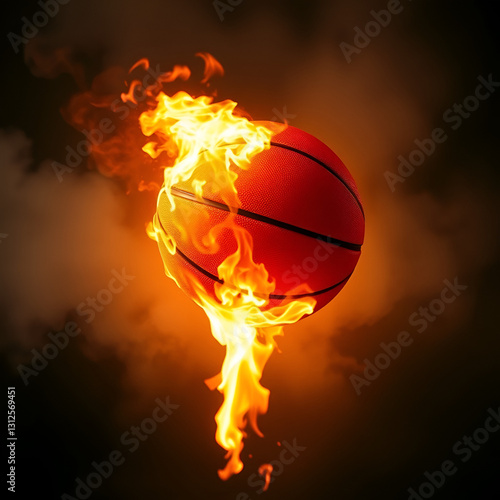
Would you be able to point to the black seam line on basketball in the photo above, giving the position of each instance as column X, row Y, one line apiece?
column 199, row 268
column 271, row 296
column 260, row 295
column 262, row 218
column 191, row 262
column 311, row 294
column 324, row 165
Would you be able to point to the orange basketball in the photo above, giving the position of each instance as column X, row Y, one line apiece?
column 302, row 208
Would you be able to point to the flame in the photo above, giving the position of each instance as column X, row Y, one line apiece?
column 239, row 322
column 197, row 147
column 266, row 471
column 212, row 66
column 210, row 142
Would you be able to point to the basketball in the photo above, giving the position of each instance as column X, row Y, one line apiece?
column 301, row 207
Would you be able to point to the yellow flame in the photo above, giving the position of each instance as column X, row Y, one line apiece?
column 210, row 143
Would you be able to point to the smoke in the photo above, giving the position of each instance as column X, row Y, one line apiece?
column 425, row 231
column 63, row 242
column 65, row 239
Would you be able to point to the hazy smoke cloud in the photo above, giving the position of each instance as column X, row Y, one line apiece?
column 66, row 238
column 61, row 244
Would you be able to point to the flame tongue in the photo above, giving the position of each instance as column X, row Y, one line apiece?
column 201, row 145
column 210, row 143
column 248, row 332
column 266, row 470
column 240, row 384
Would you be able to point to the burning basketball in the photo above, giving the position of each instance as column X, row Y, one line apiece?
column 297, row 201
column 259, row 223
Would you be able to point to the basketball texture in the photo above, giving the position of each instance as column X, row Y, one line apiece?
column 302, row 208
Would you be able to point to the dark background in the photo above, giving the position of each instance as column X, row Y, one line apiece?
column 151, row 341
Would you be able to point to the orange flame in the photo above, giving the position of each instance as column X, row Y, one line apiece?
column 198, row 146
column 266, row 471
column 210, row 143
column 239, row 322
column 212, row 66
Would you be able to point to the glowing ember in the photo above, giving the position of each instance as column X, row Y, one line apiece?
column 265, row 470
